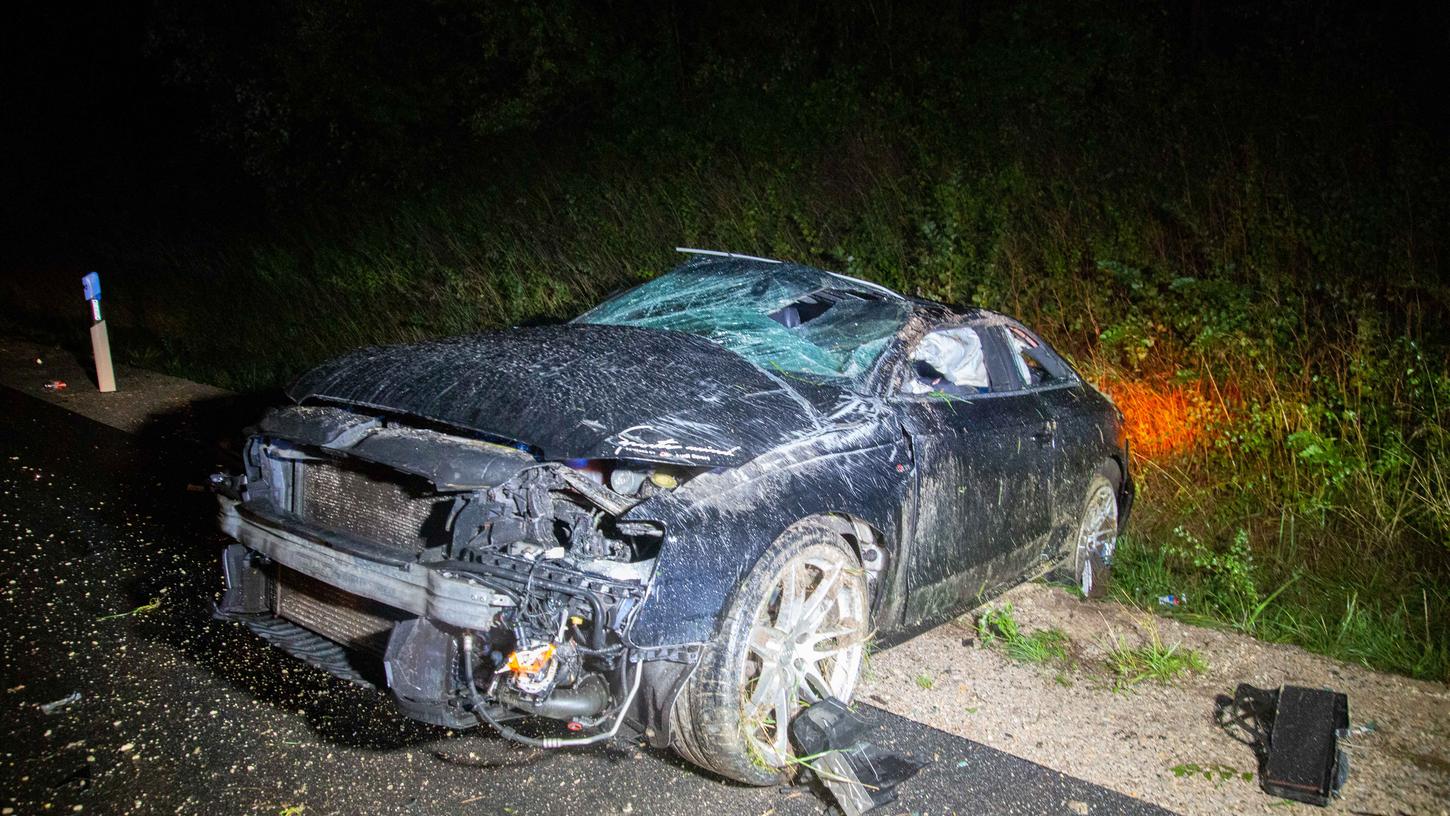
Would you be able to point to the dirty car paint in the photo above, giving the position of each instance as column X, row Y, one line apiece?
column 609, row 487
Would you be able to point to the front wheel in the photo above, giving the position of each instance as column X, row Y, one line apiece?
column 1097, row 537
column 794, row 634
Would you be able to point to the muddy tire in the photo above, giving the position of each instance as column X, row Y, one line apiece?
column 1096, row 535
column 794, row 632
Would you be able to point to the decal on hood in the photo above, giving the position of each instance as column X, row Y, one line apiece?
column 645, row 441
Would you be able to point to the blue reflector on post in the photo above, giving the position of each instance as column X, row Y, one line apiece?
column 91, row 283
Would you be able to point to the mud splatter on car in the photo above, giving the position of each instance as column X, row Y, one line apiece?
column 682, row 515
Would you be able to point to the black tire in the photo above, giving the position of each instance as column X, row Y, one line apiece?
column 1095, row 536
column 709, row 725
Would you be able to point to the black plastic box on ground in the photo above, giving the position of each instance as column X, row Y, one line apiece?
column 1304, row 762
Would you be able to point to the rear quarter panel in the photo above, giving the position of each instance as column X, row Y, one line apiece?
column 1089, row 432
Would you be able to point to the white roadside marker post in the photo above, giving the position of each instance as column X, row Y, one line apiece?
column 100, row 342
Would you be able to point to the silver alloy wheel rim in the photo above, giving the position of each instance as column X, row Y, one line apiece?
column 805, row 645
column 1098, row 533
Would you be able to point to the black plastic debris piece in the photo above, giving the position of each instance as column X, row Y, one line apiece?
column 79, row 778
column 1295, row 733
column 832, row 741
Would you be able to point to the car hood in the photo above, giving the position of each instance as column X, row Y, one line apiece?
column 578, row 391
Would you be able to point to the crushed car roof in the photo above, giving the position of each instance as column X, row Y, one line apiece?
column 700, row 366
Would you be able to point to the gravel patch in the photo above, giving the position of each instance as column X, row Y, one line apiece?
column 1074, row 720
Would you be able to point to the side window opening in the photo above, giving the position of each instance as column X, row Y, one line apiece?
column 949, row 361
column 1036, row 363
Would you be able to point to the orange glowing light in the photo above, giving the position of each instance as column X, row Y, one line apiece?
column 1161, row 418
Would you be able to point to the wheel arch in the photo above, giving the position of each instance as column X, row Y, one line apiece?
column 1123, row 484
column 1117, row 472
column 878, row 554
column 711, row 543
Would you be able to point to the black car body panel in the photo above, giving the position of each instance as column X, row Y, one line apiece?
column 578, row 392
column 717, row 526
column 610, row 487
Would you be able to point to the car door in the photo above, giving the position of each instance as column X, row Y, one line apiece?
column 1074, row 422
column 981, row 502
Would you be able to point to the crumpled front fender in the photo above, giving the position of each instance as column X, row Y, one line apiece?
column 718, row 528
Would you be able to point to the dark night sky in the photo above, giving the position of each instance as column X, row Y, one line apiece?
column 94, row 125
column 129, row 115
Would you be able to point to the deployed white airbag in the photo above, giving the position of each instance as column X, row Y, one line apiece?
column 957, row 355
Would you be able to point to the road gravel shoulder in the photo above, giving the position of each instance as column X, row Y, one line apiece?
column 1154, row 741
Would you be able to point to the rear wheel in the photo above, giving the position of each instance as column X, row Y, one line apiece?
column 794, row 634
column 1097, row 535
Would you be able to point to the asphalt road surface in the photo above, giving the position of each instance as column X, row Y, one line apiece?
column 109, row 572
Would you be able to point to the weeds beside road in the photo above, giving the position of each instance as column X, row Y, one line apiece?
column 1124, row 661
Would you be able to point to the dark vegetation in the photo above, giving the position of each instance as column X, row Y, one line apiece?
column 1233, row 216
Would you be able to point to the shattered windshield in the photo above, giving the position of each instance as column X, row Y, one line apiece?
column 783, row 318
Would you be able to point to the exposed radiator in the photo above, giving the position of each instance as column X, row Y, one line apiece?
column 339, row 616
column 365, row 503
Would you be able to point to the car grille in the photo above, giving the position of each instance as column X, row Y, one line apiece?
column 365, row 503
column 339, row 616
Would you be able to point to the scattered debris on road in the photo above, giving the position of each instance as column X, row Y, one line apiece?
column 833, row 743
column 154, row 605
column 1294, row 732
column 64, row 702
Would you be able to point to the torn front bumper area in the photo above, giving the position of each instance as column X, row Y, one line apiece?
column 451, row 597
column 477, row 585
column 404, row 626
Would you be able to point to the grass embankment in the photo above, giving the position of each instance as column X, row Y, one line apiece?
column 1253, row 268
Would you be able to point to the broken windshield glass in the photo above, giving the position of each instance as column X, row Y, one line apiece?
column 782, row 317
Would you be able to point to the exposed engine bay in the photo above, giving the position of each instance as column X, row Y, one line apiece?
column 491, row 584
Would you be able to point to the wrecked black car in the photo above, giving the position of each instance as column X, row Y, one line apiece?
column 682, row 516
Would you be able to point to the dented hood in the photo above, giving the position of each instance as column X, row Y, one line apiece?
column 578, row 391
